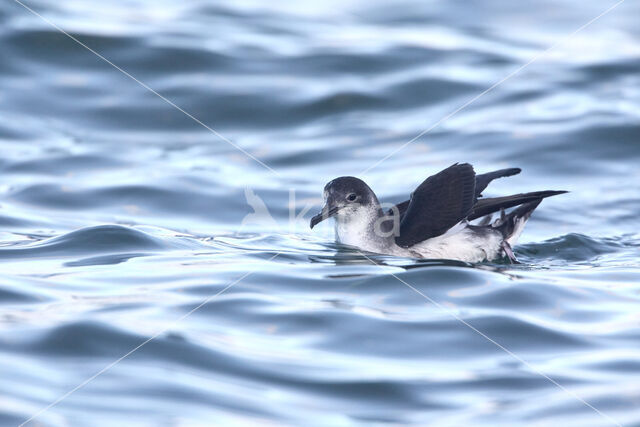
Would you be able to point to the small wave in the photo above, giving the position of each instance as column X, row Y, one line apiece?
column 8, row 296
column 136, row 200
column 95, row 240
column 10, row 221
column 573, row 247
column 62, row 165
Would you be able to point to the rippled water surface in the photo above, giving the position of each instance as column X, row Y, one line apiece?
column 122, row 219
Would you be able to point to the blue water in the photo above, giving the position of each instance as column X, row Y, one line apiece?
column 120, row 215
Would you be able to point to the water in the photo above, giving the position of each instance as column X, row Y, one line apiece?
column 119, row 214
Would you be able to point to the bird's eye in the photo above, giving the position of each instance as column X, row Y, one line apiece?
column 351, row 197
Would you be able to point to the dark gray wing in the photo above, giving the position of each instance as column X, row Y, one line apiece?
column 400, row 208
column 494, row 204
column 482, row 181
column 439, row 203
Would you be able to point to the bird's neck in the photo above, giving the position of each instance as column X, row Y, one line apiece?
column 362, row 228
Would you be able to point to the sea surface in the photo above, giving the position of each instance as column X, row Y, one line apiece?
column 156, row 262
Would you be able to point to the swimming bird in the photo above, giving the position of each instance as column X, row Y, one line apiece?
column 435, row 221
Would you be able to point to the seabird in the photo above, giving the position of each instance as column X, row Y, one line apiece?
column 435, row 221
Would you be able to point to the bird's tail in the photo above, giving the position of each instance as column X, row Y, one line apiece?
column 512, row 224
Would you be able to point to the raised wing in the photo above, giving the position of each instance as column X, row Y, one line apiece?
column 439, row 203
column 482, row 181
column 494, row 204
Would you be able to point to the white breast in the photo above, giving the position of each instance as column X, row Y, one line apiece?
column 355, row 230
column 461, row 243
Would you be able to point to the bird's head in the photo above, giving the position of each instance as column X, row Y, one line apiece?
column 344, row 197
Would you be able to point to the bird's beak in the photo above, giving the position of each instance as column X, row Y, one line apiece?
column 325, row 213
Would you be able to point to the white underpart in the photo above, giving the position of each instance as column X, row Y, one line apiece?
column 458, row 243
column 463, row 244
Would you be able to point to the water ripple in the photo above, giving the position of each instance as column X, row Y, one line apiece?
column 119, row 214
